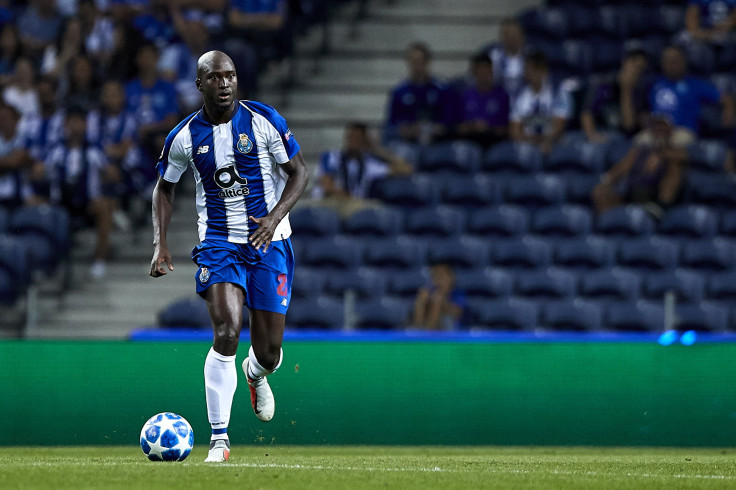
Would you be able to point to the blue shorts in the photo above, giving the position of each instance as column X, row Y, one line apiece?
column 265, row 277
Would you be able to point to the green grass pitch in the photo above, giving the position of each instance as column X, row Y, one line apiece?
column 359, row 467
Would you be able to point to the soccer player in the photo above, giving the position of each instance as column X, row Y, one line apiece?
column 249, row 172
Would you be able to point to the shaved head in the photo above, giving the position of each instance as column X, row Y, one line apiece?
column 218, row 82
column 210, row 59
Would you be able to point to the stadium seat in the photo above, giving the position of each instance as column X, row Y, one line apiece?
column 462, row 252
column 712, row 190
column 687, row 285
column 411, row 152
column 509, row 157
column 383, row 313
column 550, row 22
column 703, row 316
column 564, row 221
column 610, row 22
column 537, row 191
column 504, row 314
column 451, row 157
column 610, row 284
column 314, row 221
column 189, row 312
column 364, row 282
column 577, row 156
column 470, row 191
column 14, row 269
column 49, row 221
column 726, row 58
column 607, row 54
column 500, row 221
column 579, row 188
column 577, row 314
column 323, row 312
column 728, row 224
column 722, row 286
column 649, row 253
column 414, row 191
column 375, row 222
column 484, row 283
column 4, row 219
column 616, row 151
column 339, row 252
column 670, row 19
column 581, row 20
column 625, row 221
column 639, row 316
column 308, row 282
column 591, row 252
column 689, row 221
column 716, row 254
column 569, row 58
column 701, row 58
column 708, row 155
column 439, row 221
column 397, row 252
column 526, row 252
column 43, row 256
column 404, row 283
column 549, row 283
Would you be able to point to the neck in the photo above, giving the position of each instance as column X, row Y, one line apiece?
column 217, row 116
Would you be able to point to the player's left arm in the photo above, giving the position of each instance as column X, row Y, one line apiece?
column 295, row 185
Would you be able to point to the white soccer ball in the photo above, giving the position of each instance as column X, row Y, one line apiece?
column 167, row 437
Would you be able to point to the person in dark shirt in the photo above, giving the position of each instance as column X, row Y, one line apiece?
column 485, row 106
column 440, row 305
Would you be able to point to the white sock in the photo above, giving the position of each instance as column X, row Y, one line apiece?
column 255, row 370
column 220, row 381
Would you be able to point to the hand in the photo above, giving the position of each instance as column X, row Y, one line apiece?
column 264, row 234
column 161, row 256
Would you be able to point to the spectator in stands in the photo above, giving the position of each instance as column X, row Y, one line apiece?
column 617, row 103
column 485, row 106
column 419, row 108
column 709, row 21
column 681, row 96
column 121, row 62
column 650, row 174
column 439, row 305
column 43, row 129
column 38, row 26
column 264, row 24
column 10, row 51
column 57, row 57
column 76, row 172
column 508, row 57
column 344, row 177
column 14, row 160
column 97, row 31
column 21, row 92
column 540, row 113
column 82, row 84
column 155, row 23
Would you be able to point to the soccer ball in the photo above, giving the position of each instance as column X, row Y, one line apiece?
column 167, row 437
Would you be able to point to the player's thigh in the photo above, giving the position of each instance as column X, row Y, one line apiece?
column 225, row 305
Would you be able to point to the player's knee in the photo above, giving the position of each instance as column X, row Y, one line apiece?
column 226, row 334
column 269, row 358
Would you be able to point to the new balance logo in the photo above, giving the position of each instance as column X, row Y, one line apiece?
column 203, row 149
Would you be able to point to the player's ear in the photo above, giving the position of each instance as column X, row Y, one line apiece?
column 198, row 82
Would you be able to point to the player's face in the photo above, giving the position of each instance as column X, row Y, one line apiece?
column 218, row 85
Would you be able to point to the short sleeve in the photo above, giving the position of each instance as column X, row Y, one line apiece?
column 174, row 157
column 281, row 142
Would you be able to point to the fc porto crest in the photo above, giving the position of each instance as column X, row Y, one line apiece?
column 245, row 145
column 204, row 275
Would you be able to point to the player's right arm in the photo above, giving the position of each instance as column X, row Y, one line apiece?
column 163, row 205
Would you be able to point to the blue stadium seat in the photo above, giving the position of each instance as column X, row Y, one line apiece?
column 581, row 20
column 708, row 155
column 364, row 282
column 526, row 252
column 470, row 191
column 565, row 221
column 49, row 221
column 577, row 156
column 716, row 254
column 308, row 282
column 414, row 191
column 577, row 314
column 571, row 57
column 451, row 157
column 611, row 23
column 722, row 286
column 701, row 58
column 616, row 151
column 639, row 316
column 321, row 312
column 189, row 312
column 439, row 221
column 314, row 221
column 373, row 222
column 411, row 152
column 687, row 285
column 462, row 252
column 549, row 283
column 383, row 313
column 710, row 123
column 404, row 283
column 339, row 252
column 43, row 256
column 500, row 221
column 504, row 314
column 728, row 224
column 625, row 221
column 550, row 22
column 14, row 269
column 607, row 54
column 397, row 252
column 726, row 58
column 4, row 219
column 591, row 252
column 689, row 221
column 579, row 188
column 670, row 19
column 704, row 316
column 484, row 283
column 610, row 284
column 711, row 190
column 509, row 157
column 649, row 253
column 537, row 191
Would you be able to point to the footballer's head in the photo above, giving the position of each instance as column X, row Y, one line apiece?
column 217, row 80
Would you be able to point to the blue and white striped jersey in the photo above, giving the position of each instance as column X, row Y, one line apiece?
column 236, row 168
